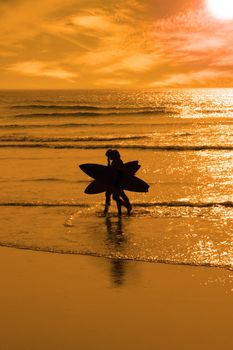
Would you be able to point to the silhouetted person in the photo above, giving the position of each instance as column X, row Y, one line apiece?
column 114, row 161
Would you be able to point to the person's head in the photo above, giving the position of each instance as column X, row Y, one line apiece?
column 109, row 153
column 113, row 154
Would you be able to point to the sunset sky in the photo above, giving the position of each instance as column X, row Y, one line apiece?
column 113, row 44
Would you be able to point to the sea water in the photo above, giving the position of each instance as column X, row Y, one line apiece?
column 183, row 140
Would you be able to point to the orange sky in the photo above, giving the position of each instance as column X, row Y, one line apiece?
column 116, row 44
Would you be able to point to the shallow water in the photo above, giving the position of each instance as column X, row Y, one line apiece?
column 183, row 141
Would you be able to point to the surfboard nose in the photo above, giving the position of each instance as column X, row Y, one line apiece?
column 87, row 169
column 82, row 167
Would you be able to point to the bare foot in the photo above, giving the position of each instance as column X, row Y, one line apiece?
column 129, row 211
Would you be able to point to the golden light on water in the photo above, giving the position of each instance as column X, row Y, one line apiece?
column 222, row 9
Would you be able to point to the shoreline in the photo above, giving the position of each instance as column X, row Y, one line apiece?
column 57, row 301
column 111, row 258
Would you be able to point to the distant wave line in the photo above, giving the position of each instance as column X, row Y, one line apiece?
column 217, row 111
column 69, row 139
column 226, row 204
column 43, row 204
column 54, row 106
column 118, row 146
column 139, row 109
column 77, row 125
column 92, row 114
column 88, row 107
column 49, row 179
column 182, row 122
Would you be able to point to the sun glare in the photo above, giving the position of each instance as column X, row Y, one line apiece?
column 222, row 9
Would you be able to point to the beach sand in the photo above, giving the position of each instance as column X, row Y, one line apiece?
column 54, row 301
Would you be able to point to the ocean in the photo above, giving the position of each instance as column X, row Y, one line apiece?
column 183, row 140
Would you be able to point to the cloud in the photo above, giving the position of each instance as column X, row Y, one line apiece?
column 115, row 43
column 92, row 22
column 200, row 78
column 224, row 60
column 36, row 68
column 135, row 63
column 202, row 43
column 7, row 53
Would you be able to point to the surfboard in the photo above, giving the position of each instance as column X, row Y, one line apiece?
column 132, row 167
column 113, row 179
column 96, row 187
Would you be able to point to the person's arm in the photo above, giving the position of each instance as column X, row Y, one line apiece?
column 107, row 194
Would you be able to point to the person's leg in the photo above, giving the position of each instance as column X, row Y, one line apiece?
column 126, row 202
column 107, row 201
column 119, row 203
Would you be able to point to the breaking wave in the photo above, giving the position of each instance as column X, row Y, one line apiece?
column 115, row 255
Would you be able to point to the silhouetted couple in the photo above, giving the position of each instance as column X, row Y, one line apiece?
column 114, row 161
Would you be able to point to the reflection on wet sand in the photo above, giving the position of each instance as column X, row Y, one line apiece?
column 117, row 239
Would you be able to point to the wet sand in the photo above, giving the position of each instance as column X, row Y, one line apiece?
column 53, row 301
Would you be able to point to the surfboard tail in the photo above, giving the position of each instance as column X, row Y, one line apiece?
column 95, row 187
